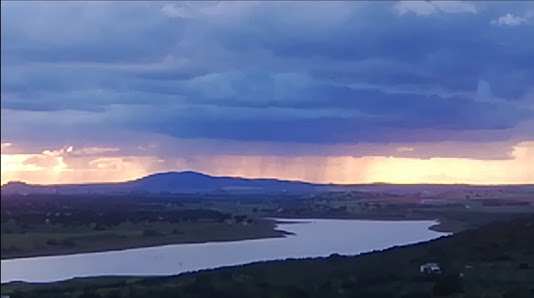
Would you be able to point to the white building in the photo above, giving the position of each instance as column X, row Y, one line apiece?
column 430, row 268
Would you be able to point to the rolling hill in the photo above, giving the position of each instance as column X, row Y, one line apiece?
column 194, row 182
column 171, row 182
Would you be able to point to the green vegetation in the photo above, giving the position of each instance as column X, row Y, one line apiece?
column 35, row 225
column 496, row 260
column 52, row 225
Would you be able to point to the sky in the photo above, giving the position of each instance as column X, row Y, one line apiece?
column 342, row 92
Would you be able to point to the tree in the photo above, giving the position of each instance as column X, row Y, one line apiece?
column 89, row 294
column 151, row 233
column 447, row 285
column 51, row 242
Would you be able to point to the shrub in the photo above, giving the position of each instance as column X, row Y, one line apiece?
column 89, row 294
column 100, row 227
column 113, row 294
column 151, row 233
column 68, row 242
column 9, row 231
column 240, row 218
column 51, row 242
column 447, row 285
column 176, row 231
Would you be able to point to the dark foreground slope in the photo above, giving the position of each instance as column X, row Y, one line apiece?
column 496, row 260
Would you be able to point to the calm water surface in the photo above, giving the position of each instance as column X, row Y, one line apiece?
column 313, row 237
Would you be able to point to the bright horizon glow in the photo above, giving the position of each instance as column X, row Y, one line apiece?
column 60, row 167
column 268, row 89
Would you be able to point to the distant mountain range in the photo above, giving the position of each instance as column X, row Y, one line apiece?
column 193, row 182
column 171, row 182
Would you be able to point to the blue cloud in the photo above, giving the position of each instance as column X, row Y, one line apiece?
column 340, row 72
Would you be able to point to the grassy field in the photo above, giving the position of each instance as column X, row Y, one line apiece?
column 38, row 225
column 50, row 240
column 496, row 260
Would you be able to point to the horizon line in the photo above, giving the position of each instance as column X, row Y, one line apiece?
column 277, row 179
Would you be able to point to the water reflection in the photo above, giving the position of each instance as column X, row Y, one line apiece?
column 312, row 237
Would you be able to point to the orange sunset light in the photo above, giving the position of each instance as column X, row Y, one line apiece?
column 48, row 168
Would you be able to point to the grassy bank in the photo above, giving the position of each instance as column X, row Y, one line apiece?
column 50, row 240
column 449, row 220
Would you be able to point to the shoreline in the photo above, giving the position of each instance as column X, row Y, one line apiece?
column 169, row 258
column 404, row 260
column 279, row 234
column 266, row 229
column 442, row 226
column 282, row 234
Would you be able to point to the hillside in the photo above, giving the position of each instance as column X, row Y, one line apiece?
column 193, row 182
column 496, row 260
column 171, row 182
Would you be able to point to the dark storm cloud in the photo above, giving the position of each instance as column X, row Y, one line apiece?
column 317, row 72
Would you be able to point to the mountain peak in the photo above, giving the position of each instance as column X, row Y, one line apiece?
column 170, row 182
column 191, row 173
column 15, row 183
column 171, row 175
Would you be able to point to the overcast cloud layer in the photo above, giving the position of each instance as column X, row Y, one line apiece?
column 318, row 73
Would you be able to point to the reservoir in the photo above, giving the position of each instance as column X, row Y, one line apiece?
column 311, row 238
